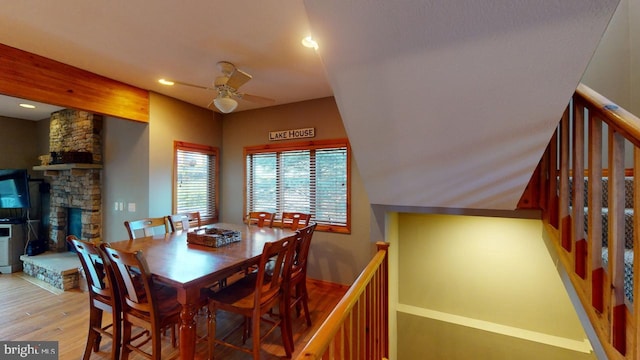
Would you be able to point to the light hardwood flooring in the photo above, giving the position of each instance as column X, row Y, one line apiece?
column 30, row 312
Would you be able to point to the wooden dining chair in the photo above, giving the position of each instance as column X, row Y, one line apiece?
column 253, row 297
column 147, row 226
column 260, row 218
column 185, row 221
column 296, row 295
column 103, row 296
column 145, row 304
column 294, row 220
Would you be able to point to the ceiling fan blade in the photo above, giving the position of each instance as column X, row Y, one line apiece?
column 256, row 99
column 237, row 79
column 193, row 85
column 220, row 81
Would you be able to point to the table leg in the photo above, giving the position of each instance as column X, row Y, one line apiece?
column 187, row 326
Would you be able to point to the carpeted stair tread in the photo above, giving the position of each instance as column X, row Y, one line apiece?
column 628, row 188
column 628, row 226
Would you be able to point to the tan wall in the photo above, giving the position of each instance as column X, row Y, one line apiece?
column 333, row 257
column 465, row 282
column 609, row 69
column 172, row 120
column 125, row 174
column 42, row 136
column 17, row 145
column 139, row 159
column 614, row 70
column 18, row 150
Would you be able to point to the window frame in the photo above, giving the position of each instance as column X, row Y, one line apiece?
column 203, row 149
column 305, row 145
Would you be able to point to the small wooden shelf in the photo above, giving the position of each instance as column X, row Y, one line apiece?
column 57, row 167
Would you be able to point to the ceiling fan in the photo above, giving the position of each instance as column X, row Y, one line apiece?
column 227, row 85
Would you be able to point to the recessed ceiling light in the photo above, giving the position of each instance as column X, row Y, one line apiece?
column 166, row 82
column 310, row 43
column 27, row 106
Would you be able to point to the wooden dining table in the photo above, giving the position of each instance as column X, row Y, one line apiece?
column 189, row 268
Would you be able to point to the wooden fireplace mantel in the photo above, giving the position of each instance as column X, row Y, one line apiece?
column 53, row 170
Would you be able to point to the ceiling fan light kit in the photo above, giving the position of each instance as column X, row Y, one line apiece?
column 225, row 104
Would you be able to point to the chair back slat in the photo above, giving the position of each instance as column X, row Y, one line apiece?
column 260, row 218
column 185, row 221
column 295, row 220
column 149, row 226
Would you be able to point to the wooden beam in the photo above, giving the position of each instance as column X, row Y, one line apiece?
column 33, row 77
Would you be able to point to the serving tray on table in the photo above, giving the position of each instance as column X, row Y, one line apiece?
column 213, row 237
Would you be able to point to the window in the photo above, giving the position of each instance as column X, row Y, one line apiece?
column 309, row 177
column 196, row 180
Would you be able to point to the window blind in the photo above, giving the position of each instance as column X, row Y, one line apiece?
column 312, row 180
column 195, row 183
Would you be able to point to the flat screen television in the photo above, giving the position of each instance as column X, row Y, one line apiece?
column 14, row 189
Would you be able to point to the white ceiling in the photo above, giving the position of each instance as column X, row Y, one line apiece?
column 447, row 103
column 140, row 42
column 10, row 107
column 450, row 104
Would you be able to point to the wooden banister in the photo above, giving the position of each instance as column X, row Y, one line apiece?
column 599, row 280
column 620, row 119
column 358, row 327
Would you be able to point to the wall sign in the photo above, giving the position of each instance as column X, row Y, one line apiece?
column 292, row 134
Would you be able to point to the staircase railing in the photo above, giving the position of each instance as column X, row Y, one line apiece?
column 358, row 327
column 594, row 252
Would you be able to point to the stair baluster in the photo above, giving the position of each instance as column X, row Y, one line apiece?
column 599, row 260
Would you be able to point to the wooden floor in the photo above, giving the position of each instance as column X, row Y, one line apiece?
column 30, row 312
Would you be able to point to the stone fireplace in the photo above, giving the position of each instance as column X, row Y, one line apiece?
column 75, row 193
column 77, row 189
column 75, row 185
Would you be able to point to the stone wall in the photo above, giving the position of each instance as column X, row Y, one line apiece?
column 74, row 130
column 75, row 187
